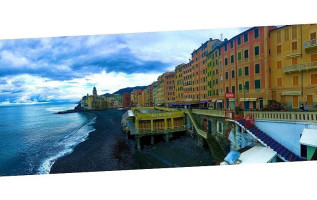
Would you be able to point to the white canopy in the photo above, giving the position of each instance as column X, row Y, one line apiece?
column 309, row 137
column 257, row 154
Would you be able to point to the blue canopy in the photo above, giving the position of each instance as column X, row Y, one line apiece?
column 232, row 157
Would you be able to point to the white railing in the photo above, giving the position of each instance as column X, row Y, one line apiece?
column 310, row 43
column 161, row 130
column 284, row 116
column 300, row 67
column 216, row 113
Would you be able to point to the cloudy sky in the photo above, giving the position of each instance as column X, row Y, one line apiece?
column 63, row 69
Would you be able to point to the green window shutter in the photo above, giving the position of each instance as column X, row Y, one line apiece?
column 240, row 87
column 246, row 71
column 256, row 50
column 239, row 56
column 240, row 72
column 257, row 68
column 257, row 84
column 247, row 85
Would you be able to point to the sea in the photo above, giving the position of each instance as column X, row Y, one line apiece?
column 33, row 137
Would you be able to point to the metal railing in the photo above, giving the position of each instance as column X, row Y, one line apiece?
column 300, row 67
column 284, row 116
column 161, row 130
column 310, row 43
column 216, row 113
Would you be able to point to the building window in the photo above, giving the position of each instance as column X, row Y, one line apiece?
column 295, row 80
column 256, row 33
column 279, row 82
column 227, row 89
column 239, row 40
column 246, row 85
column 294, row 32
column 278, row 36
column 256, row 50
column 232, row 74
column 226, row 61
column 233, row 89
column 246, row 71
column 240, row 87
column 309, row 100
column 286, row 34
column 278, row 49
column 313, row 57
column 226, row 47
column 294, row 61
column 294, row 46
column 314, row 79
column 231, row 44
column 257, row 84
column 279, row 64
column 227, row 75
column 232, row 58
column 240, row 72
column 246, row 53
column 257, row 68
column 245, row 37
column 239, row 56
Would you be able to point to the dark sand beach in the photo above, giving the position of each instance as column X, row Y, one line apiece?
column 107, row 149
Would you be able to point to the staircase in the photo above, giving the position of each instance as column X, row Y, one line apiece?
column 284, row 153
column 199, row 131
column 216, row 150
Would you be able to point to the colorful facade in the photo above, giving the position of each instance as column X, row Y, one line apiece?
column 294, row 65
column 179, row 85
column 169, row 84
column 126, row 98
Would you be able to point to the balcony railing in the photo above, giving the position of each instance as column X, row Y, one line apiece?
column 145, row 131
column 310, row 44
column 284, row 116
column 216, row 113
column 300, row 67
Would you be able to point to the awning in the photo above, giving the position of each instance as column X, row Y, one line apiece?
column 248, row 99
column 232, row 99
column 209, row 101
column 219, row 101
column 292, row 93
column 202, row 102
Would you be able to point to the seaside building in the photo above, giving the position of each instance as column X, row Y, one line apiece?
column 169, row 83
column 150, row 95
column 93, row 102
column 179, row 93
column 155, row 92
column 118, row 100
column 134, row 96
column 160, row 91
column 294, row 65
column 243, row 69
column 188, row 82
column 126, row 100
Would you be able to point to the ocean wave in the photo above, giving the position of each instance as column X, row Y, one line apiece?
column 69, row 142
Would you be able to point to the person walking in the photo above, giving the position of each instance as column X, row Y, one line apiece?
column 301, row 107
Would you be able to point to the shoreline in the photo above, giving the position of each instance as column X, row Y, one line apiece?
column 107, row 149
column 95, row 152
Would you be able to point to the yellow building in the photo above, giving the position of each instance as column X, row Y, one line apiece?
column 161, row 91
column 294, row 65
column 94, row 102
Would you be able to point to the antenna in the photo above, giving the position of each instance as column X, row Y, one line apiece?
column 221, row 36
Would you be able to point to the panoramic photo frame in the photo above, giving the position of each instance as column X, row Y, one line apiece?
column 180, row 99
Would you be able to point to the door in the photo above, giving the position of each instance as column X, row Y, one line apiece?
column 295, row 101
column 313, row 38
column 261, row 104
column 254, row 105
column 274, row 95
column 246, row 105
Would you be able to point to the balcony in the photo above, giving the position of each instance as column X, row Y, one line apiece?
column 310, row 44
column 300, row 67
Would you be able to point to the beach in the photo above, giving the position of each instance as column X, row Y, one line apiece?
column 107, row 149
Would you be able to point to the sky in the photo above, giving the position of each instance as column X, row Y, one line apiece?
column 64, row 69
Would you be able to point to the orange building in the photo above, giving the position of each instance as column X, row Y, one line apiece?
column 169, row 83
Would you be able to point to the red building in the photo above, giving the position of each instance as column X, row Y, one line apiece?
column 169, row 82
column 126, row 99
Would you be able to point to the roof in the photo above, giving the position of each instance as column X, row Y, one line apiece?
column 257, row 154
column 309, row 137
column 130, row 113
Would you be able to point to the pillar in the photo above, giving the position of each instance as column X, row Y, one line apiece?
column 137, row 125
column 138, row 142
column 152, row 139
column 165, row 123
column 152, row 125
column 172, row 120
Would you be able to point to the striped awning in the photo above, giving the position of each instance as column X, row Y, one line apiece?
column 248, row 99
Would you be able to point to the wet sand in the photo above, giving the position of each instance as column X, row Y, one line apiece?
column 107, row 149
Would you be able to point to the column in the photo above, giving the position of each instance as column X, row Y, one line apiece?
column 152, row 125
column 137, row 125
column 172, row 120
column 165, row 123
column 138, row 142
